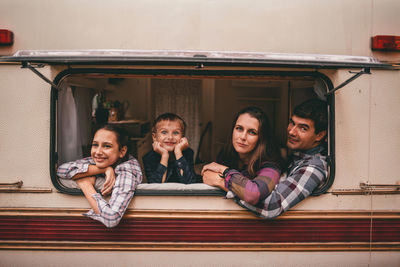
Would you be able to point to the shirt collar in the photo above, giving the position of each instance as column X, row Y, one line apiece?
column 311, row 151
column 314, row 150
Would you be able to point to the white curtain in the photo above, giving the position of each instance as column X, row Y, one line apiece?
column 83, row 102
column 68, row 134
column 181, row 97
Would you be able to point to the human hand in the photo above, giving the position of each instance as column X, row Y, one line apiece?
column 213, row 179
column 110, row 181
column 214, row 167
column 181, row 145
column 159, row 149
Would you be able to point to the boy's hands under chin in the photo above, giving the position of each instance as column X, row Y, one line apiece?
column 182, row 145
column 179, row 147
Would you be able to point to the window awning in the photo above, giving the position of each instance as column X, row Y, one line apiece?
column 197, row 58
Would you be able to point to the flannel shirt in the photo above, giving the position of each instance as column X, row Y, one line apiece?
column 253, row 190
column 155, row 170
column 128, row 176
column 305, row 173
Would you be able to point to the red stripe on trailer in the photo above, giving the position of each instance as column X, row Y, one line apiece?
column 201, row 230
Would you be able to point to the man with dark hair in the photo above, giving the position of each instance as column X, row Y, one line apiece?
column 307, row 167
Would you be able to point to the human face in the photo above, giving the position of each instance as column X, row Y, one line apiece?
column 168, row 133
column 105, row 149
column 245, row 135
column 301, row 134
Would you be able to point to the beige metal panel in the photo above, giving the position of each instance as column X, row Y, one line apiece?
column 323, row 202
column 385, row 127
column 24, row 127
column 306, row 26
column 206, row 258
column 331, row 202
column 384, row 132
column 384, row 165
column 386, row 202
column 352, row 131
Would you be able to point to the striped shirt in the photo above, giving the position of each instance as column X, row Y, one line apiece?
column 305, row 173
column 128, row 176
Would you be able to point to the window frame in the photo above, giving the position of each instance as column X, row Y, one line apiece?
column 187, row 73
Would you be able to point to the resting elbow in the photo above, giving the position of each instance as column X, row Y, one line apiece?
column 252, row 199
column 112, row 221
column 112, row 224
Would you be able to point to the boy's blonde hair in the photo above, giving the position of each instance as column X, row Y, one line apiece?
column 169, row 117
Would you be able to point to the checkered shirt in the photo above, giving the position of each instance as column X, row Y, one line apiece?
column 305, row 173
column 128, row 176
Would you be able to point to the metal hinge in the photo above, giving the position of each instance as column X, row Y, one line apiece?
column 357, row 74
column 33, row 67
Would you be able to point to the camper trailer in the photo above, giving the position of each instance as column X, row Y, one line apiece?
column 203, row 60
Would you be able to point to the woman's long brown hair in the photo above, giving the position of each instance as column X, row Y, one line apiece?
column 266, row 149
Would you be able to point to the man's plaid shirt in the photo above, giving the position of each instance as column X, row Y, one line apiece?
column 305, row 173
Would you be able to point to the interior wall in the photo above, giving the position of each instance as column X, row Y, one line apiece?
column 206, row 150
column 134, row 96
column 225, row 110
column 182, row 97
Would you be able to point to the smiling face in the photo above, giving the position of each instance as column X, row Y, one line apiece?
column 168, row 133
column 105, row 149
column 245, row 135
column 301, row 134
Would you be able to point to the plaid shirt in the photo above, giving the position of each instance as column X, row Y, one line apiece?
column 128, row 176
column 305, row 173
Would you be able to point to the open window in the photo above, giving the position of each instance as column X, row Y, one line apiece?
column 207, row 102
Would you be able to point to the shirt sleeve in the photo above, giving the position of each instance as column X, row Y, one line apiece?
column 253, row 191
column 128, row 176
column 185, row 167
column 70, row 169
column 290, row 191
column 153, row 168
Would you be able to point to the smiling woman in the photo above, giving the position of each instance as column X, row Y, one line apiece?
column 106, row 150
column 108, row 169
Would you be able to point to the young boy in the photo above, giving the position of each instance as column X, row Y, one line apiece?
column 171, row 160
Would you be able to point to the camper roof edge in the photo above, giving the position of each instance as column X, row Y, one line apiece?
column 112, row 56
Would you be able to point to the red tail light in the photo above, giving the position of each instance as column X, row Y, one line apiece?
column 6, row 37
column 386, row 43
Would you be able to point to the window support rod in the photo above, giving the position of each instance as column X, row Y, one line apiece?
column 33, row 68
column 357, row 74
